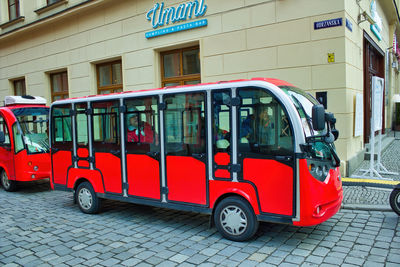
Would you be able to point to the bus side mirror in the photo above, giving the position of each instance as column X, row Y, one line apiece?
column 318, row 117
column 2, row 137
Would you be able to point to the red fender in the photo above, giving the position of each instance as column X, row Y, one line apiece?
column 93, row 176
column 245, row 190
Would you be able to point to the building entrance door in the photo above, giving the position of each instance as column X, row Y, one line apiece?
column 373, row 66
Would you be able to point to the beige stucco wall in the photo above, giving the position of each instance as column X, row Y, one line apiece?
column 354, row 68
column 243, row 39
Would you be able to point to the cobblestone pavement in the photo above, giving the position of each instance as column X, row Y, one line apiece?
column 40, row 227
column 366, row 195
column 371, row 197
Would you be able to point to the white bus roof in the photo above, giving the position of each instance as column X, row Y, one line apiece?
column 24, row 100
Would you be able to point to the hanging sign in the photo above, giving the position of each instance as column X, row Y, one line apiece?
column 377, row 27
column 160, row 16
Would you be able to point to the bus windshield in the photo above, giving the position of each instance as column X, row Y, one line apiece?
column 32, row 129
column 304, row 103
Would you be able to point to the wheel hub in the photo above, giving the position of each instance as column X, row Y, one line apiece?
column 85, row 198
column 5, row 181
column 233, row 220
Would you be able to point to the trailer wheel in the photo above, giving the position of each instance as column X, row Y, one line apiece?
column 235, row 219
column 395, row 200
column 7, row 184
column 87, row 199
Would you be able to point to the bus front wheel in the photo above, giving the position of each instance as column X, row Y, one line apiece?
column 7, row 184
column 395, row 200
column 87, row 199
column 235, row 219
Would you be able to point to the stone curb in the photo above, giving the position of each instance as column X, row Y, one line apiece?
column 367, row 207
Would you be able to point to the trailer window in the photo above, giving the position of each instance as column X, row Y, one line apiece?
column 184, row 123
column 106, row 122
column 61, row 124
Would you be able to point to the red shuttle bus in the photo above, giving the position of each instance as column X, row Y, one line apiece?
column 24, row 142
column 242, row 151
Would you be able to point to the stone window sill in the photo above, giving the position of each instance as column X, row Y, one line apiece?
column 12, row 22
column 50, row 7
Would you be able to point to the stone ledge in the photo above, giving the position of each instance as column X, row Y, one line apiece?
column 12, row 22
column 51, row 6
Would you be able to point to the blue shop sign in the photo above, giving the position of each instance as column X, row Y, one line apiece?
column 328, row 23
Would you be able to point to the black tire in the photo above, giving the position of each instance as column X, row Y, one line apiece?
column 235, row 219
column 8, row 185
column 87, row 199
column 395, row 200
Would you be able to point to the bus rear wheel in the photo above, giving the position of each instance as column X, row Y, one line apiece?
column 235, row 219
column 87, row 199
column 7, row 184
column 395, row 200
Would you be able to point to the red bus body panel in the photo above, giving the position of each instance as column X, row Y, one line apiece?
column 110, row 167
column 62, row 160
column 184, row 174
column 143, row 175
column 274, row 182
column 24, row 172
column 326, row 195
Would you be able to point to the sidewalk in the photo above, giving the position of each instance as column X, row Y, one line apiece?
column 358, row 195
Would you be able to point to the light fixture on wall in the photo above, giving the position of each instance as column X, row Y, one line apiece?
column 364, row 16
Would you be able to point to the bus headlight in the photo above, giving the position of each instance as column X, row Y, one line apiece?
column 35, row 168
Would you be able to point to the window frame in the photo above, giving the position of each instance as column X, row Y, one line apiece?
column 186, row 147
column 63, row 92
column 4, row 122
column 270, row 154
column 17, row 10
column 181, row 79
column 99, row 144
column 15, row 87
column 64, row 144
column 113, row 87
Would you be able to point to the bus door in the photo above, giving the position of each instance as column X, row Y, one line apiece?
column 266, row 151
column 6, row 154
column 107, row 143
column 221, row 123
column 142, row 147
column 185, row 147
column 61, row 143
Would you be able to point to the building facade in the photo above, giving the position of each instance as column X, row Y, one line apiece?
column 332, row 49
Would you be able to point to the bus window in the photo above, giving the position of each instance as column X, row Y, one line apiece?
column 106, row 122
column 33, row 125
column 4, row 129
column 18, row 143
column 264, row 127
column 62, row 124
column 142, row 125
column 221, row 125
column 184, row 124
column 81, row 124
